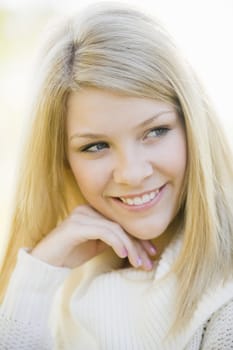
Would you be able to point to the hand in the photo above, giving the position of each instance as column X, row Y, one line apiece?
column 85, row 234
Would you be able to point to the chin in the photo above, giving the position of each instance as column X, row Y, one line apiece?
column 145, row 234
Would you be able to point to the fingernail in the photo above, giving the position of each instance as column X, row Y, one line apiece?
column 124, row 253
column 139, row 261
column 153, row 250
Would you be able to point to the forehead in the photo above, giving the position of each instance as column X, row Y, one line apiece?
column 98, row 108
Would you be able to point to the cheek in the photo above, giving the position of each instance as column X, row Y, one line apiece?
column 172, row 157
column 178, row 152
column 91, row 179
column 177, row 162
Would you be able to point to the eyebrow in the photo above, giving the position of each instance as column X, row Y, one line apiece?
column 143, row 124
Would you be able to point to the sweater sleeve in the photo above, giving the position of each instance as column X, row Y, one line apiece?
column 219, row 329
column 26, row 306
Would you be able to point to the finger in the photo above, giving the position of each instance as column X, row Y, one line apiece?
column 149, row 247
column 122, row 244
column 89, row 231
column 131, row 245
column 147, row 263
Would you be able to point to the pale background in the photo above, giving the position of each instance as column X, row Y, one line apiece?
column 202, row 28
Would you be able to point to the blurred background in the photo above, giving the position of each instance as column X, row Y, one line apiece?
column 203, row 29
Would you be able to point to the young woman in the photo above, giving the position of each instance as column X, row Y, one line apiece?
column 125, row 199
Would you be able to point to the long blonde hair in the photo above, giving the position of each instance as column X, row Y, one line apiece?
column 123, row 50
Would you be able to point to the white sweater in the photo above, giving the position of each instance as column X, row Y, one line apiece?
column 125, row 309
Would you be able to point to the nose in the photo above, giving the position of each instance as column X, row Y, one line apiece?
column 132, row 169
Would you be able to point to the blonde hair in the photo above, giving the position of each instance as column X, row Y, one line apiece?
column 123, row 50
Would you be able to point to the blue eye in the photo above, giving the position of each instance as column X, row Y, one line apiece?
column 157, row 132
column 95, row 147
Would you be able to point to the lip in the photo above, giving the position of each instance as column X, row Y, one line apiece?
column 140, row 207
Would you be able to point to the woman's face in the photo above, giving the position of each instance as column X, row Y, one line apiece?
column 128, row 156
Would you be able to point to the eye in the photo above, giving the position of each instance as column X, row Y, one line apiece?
column 95, row 147
column 157, row 132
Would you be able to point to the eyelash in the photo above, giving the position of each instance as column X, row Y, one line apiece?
column 96, row 144
column 160, row 131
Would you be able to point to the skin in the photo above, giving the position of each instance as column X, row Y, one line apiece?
column 120, row 150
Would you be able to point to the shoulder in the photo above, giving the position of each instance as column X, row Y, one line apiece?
column 218, row 333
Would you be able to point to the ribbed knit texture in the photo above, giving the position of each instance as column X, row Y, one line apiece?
column 133, row 309
column 125, row 309
column 24, row 313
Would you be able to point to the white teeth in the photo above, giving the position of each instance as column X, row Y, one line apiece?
column 152, row 195
column 146, row 198
column 140, row 200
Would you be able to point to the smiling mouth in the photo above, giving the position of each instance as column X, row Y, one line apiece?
column 139, row 200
